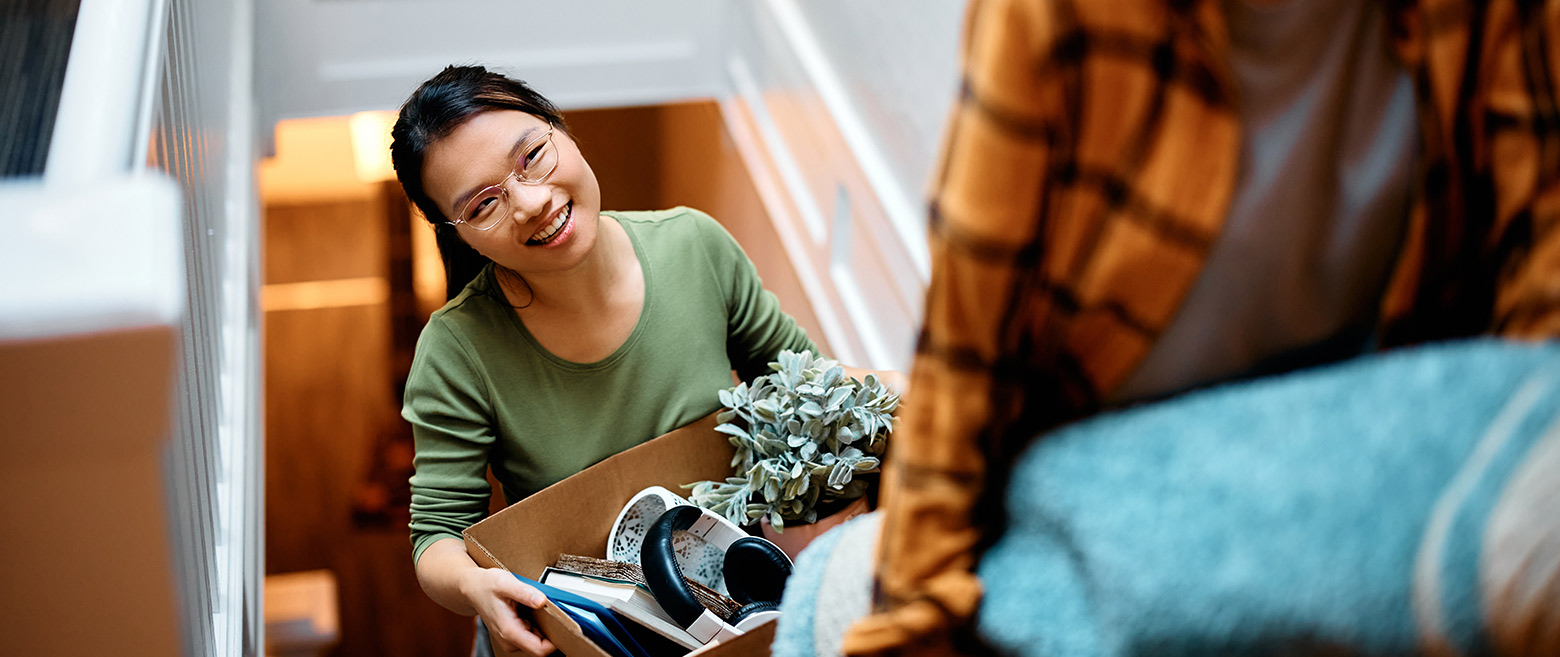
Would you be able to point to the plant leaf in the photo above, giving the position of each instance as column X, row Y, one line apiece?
column 809, row 450
column 840, row 475
column 846, row 435
column 838, row 397
column 733, row 430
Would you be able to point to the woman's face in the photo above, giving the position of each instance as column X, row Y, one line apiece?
column 548, row 227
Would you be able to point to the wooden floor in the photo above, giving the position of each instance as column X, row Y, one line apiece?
column 330, row 389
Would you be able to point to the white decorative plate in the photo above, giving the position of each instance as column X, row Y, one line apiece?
column 699, row 560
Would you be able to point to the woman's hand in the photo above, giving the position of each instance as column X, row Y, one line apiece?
column 895, row 380
column 493, row 593
column 453, row 580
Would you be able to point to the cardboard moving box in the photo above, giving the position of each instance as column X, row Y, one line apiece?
column 575, row 515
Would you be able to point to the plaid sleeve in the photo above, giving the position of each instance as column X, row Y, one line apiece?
column 984, row 221
column 1525, row 150
column 1065, row 227
column 1482, row 254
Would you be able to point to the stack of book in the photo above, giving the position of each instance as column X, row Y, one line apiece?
column 628, row 599
column 598, row 623
column 616, row 609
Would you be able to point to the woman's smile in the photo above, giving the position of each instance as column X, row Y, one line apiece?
column 555, row 232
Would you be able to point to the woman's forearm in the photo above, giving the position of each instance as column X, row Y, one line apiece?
column 452, row 579
column 440, row 570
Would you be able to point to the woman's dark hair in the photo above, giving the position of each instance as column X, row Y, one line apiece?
column 435, row 109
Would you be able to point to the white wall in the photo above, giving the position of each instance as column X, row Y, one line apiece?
column 319, row 58
column 897, row 60
column 844, row 106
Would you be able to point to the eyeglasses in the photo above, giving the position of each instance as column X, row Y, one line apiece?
column 537, row 160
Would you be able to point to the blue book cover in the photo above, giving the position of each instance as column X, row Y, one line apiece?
column 599, row 624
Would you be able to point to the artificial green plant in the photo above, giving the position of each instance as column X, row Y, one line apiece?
column 804, row 434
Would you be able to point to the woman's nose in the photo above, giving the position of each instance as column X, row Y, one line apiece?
column 526, row 201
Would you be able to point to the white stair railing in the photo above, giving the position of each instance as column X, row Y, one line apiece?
column 168, row 85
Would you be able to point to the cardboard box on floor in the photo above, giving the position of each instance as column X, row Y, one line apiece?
column 575, row 515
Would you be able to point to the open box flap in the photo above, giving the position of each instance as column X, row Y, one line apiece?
column 575, row 515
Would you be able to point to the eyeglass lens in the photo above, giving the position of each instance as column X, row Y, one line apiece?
column 537, row 160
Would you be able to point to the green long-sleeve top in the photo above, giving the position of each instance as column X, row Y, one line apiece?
column 482, row 391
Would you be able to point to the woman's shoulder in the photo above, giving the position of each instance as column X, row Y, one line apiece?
column 473, row 309
column 671, row 219
column 683, row 226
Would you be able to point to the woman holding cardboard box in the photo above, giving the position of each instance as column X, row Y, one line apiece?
column 579, row 334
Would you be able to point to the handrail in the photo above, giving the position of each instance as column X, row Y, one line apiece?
column 98, row 130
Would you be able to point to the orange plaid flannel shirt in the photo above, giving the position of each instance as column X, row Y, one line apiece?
column 1085, row 175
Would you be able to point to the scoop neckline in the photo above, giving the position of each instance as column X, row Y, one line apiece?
column 633, row 336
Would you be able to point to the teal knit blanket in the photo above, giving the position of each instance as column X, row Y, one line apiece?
column 1396, row 504
column 1341, row 509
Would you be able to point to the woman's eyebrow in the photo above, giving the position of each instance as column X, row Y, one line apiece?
column 528, row 135
column 514, row 152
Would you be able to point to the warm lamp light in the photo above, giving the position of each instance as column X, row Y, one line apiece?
column 371, row 145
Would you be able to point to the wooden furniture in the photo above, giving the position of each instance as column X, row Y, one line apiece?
column 301, row 618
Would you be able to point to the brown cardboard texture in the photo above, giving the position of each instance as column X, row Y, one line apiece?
column 575, row 515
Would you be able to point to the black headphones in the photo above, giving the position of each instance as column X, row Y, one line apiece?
column 754, row 569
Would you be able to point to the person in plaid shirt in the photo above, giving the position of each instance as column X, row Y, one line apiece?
column 1139, row 197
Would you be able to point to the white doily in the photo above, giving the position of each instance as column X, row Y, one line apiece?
column 700, row 561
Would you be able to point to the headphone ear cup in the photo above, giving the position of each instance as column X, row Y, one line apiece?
column 755, row 571
column 662, row 572
column 753, row 612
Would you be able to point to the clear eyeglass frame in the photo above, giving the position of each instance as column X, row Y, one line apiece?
column 546, row 162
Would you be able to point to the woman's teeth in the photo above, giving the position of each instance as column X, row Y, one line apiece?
column 547, row 232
